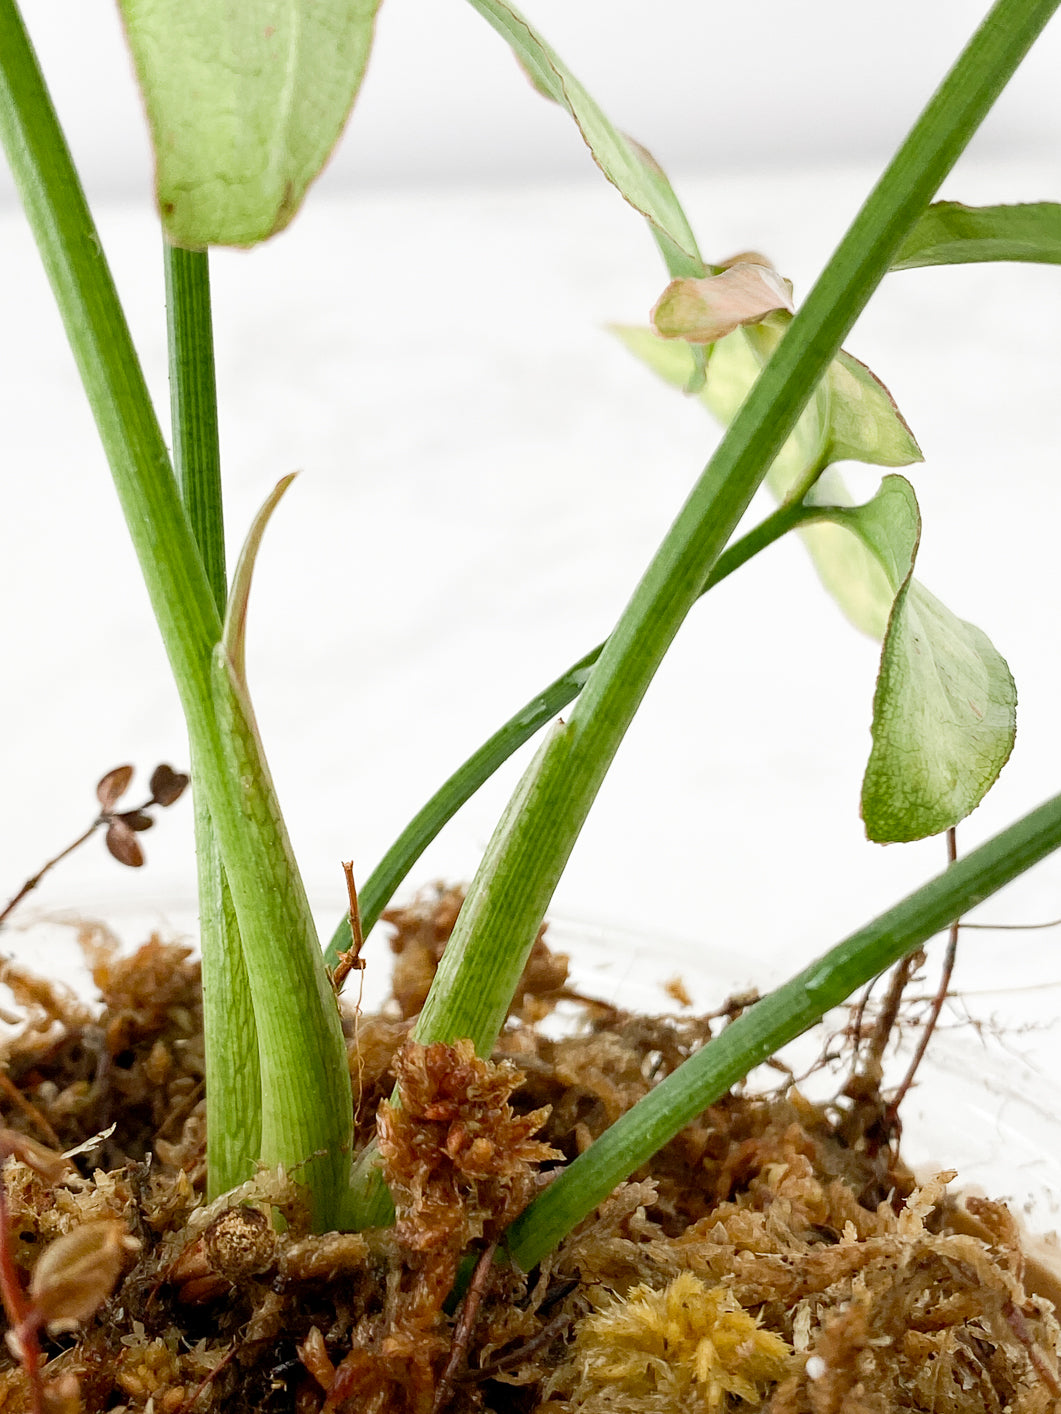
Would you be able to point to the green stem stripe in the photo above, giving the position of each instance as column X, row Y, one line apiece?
column 193, row 407
column 233, row 1092
column 512, row 889
column 774, row 1021
column 459, row 788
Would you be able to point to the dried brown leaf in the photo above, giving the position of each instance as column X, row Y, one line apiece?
column 77, row 1272
column 167, row 785
column 113, row 786
column 44, row 1162
column 136, row 820
column 122, row 843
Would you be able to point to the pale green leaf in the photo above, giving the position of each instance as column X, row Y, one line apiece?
column 944, row 710
column 623, row 161
column 864, row 423
column 952, row 234
column 852, row 416
column 846, row 566
column 245, row 102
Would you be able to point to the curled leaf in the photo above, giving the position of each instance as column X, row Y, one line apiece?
column 112, row 786
column 234, row 633
column 121, row 841
column 623, row 161
column 704, row 311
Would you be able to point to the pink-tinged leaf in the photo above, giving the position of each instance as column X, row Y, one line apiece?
column 703, row 311
column 113, row 786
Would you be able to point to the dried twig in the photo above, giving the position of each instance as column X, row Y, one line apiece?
column 122, row 826
column 463, row 1333
column 937, row 1001
column 350, row 960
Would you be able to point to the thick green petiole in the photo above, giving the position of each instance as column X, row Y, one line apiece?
column 233, row 1092
column 772, row 1022
column 306, row 1115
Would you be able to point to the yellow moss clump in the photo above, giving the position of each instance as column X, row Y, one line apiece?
column 688, row 1347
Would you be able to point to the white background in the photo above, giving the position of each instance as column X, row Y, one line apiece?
column 708, row 87
column 486, row 473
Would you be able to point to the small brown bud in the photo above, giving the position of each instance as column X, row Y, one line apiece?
column 77, row 1272
column 136, row 820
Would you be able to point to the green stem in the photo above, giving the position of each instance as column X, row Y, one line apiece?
column 306, row 1117
column 233, row 1092
column 511, row 891
column 459, row 788
column 772, row 1022
column 193, row 407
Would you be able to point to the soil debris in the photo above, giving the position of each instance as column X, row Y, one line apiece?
column 775, row 1256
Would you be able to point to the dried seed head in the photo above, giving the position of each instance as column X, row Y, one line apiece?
column 123, row 844
column 77, row 1272
column 240, row 1243
column 167, row 785
column 113, row 786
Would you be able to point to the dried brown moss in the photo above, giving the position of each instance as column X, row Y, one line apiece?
column 773, row 1256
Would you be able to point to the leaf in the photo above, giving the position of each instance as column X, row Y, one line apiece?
column 944, row 710
column 704, row 311
column 123, row 844
column 847, row 568
column 625, row 163
column 245, row 102
column 234, row 634
column 952, row 234
column 167, row 785
column 852, row 416
column 944, row 715
column 111, row 787
column 77, row 1272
